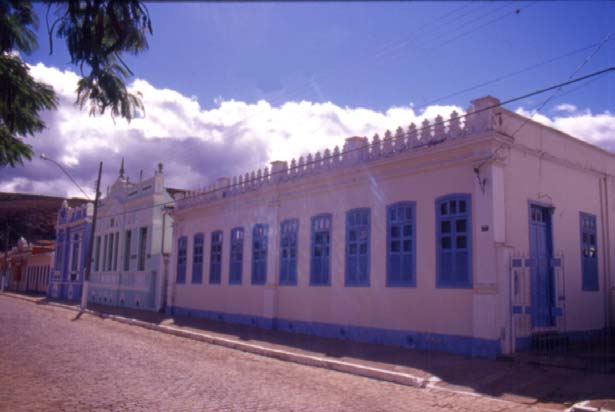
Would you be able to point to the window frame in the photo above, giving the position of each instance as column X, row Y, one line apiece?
column 313, row 232
column 259, row 257
column 127, row 249
column 182, row 260
column 97, row 254
column 236, row 278
column 590, row 282
column 388, row 252
column 104, row 252
column 75, row 251
column 59, row 252
column 447, row 283
column 365, row 278
column 117, row 250
column 289, row 230
column 197, row 266
column 142, row 252
column 215, row 268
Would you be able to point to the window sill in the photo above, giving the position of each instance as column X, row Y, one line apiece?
column 454, row 285
column 401, row 284
column 357, row 284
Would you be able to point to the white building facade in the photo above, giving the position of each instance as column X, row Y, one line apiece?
column 471, row 236
column 132, row 244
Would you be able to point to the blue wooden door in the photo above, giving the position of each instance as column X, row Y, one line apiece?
column 541, row 273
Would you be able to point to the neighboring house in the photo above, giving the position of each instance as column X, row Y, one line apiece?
column 72, row 238
column 132, row 242
column 465, row 236
column 29, row 266
column 38, row 266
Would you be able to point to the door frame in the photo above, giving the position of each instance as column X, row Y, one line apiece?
column 550, row 247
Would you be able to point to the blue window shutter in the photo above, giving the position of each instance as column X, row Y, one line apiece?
column 357, row 247
column 236, row 261
column 197, row 259
column 589, row 252
column 215, row 257
column 454, row 241
column 181, row 259
column 320, row 250
column 259, row 254
column 288, row 251
column 401, row 244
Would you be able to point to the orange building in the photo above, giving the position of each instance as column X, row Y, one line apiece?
column 27, row 266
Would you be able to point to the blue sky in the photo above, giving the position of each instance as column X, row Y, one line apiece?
column 369, row 54
column 229, row 87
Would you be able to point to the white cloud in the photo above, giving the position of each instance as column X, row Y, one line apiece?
column 566, row 107
column 598, row 129
column 198, row 144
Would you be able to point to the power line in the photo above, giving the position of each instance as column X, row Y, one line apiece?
column 549, row 98
column 556, row 92
column 512, row 74
column 418, row 130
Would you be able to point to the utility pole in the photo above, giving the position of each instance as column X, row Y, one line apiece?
column 5, row 273
column 88, row 261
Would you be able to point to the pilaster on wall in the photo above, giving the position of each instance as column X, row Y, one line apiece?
column 609, row 244
column 489, row 236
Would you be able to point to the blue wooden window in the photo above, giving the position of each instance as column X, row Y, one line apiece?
column 215, row 259
column 357, row 247
column 259, row 254
column 320, row 250
column 127, row 241
column 142, row 248
column 74, row 259
column 589, row 252
column 236, row 268
column 104, row 253
column 197, row 258
column 59, row 251
column 97, row 254
column 401, row 244
column 182, row 244
column 288, row 251
column 454, row 241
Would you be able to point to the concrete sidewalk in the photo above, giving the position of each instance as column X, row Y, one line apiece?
column 545, row 387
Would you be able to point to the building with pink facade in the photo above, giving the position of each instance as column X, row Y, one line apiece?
column 28, row 266
column 471, row 235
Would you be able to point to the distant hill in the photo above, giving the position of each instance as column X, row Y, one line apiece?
column 30, row 216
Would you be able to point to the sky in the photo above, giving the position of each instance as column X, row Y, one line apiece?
column 229, row 87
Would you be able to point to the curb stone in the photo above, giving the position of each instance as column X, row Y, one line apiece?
column 586, row 407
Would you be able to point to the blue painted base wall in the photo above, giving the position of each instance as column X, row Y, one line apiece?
column 408, row 339
column 122, row 298
column 63, row 290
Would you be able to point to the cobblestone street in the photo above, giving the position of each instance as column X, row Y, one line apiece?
column 51, row 361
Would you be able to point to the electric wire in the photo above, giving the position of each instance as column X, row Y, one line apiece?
column 418, row 130
column 549, row 98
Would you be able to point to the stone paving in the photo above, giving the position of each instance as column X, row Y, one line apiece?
column 51, row 359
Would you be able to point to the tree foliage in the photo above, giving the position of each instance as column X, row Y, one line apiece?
column 21, row 97
column 97, row 33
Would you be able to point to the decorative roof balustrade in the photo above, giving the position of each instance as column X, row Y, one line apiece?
column 477, row 120
column 72, row 214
